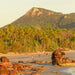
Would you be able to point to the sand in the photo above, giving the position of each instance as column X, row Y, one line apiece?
column 28, row 58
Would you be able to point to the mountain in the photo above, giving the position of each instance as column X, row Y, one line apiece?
column 41, row 17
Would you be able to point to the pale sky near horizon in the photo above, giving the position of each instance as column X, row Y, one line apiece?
column 10, row 10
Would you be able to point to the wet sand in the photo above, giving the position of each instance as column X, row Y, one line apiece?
column 49, row 67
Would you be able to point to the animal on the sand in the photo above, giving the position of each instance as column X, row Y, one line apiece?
column 4, row 59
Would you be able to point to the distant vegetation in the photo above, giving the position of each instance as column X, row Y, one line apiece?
column 33, row 38
column 41, row 17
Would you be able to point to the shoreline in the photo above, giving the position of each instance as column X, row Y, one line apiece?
column 29, row 53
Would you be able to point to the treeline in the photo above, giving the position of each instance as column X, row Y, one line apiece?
column 33, row 39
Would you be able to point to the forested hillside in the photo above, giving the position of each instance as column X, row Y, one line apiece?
column 41, row 17
column 34, row 38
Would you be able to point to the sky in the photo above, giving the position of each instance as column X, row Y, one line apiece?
column 10, row 10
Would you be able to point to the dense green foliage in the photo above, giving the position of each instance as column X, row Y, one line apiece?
column 33, row 38
column 41, row 17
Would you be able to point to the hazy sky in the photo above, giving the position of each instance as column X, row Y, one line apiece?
column 10, row 10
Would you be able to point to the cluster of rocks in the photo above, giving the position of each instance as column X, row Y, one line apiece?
column 42, row 62
column 58, row 57
column 8, row 68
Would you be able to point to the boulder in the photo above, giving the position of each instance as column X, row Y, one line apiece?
column 4, row 59
column 57, row 57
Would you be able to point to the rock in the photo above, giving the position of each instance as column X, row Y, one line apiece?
column 13, row 72
column 59, row 59
column 35, row 61
column 57, row 72
column 35, row 73
column 57, row 56
column 28, row 66
column 42, row 62
column 48, row 61
column 73, row 61
column 33, row 69
column 40, row 68
column 4, row 59
column 4, row 72
column 20, row 61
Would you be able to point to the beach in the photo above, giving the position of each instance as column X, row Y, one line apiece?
column 50, row 69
